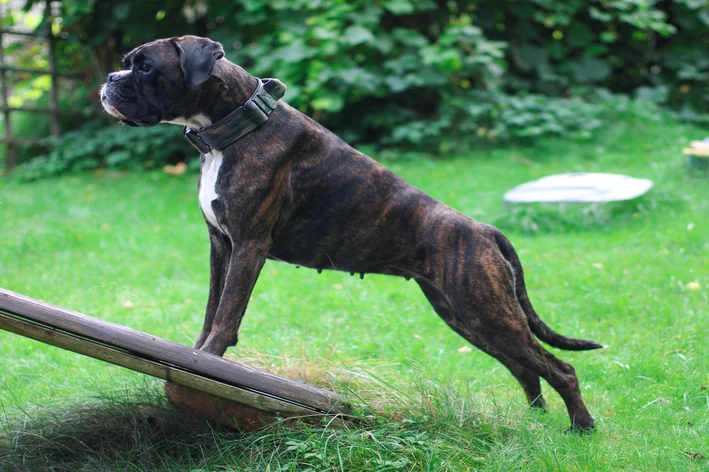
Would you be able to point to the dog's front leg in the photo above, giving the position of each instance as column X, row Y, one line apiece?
column 245, row 264
column 219, row 255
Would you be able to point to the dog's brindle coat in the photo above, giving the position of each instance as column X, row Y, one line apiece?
column 293, row 191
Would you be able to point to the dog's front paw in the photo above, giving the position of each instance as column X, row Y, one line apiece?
column 217, row 344
column 581, row 426
column 200, row 340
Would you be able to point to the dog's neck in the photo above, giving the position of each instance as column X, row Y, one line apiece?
column 227, row 89
column 237, row 86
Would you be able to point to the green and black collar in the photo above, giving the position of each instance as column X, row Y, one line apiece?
column 241, row 121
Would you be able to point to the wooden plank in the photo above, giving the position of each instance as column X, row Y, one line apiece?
column 23, row 33
column 18, row 325
column 12, row 140
column 160, row 350
column 696, row 152
column 699, row 145
column 26, row 70
column 39, row 110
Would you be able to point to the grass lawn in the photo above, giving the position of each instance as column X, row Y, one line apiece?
column 132, row 249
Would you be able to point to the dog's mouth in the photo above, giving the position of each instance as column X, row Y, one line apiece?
column 139, row 123
column 113, row 111
column 106, row 103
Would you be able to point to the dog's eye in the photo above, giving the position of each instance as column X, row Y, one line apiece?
column 145, row 68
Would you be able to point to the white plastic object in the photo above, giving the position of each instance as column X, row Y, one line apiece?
column 579, row 187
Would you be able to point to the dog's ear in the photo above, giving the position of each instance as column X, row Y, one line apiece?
column 197, row 59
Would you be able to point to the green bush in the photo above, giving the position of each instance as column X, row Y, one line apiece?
column 648, row 48
column 414, row 74
column 432, row 75
column 96, row 146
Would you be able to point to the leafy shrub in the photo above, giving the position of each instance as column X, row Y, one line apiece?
column 431, row 74
column 414, row 74
column 500, row 117
column 95, row 145
column 390, row 65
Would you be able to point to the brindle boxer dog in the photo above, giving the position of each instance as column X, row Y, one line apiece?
column 290, row 190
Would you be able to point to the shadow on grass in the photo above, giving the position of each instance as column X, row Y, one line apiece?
column 111, row 433
column 129, row 431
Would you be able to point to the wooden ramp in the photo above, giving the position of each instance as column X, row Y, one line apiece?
column 180, row 365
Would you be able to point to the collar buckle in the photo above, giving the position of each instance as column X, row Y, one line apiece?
column 196, row 140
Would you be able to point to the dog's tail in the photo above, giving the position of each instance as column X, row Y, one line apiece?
column 538, row 327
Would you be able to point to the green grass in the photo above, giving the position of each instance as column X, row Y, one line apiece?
column 133, row 249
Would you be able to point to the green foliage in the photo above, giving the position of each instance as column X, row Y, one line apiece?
column 500, row 117
column 95, row 145
column 623, row 45
column 417, row 61
column 388, row 65
column 426, row 74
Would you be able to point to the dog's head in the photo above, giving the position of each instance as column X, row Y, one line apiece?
column 163, row 80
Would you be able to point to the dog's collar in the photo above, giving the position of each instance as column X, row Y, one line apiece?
column 241, row 121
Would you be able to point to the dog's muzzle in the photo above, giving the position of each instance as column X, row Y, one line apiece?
column 151, row 118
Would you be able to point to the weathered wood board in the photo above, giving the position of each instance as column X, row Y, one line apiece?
column 160, row 358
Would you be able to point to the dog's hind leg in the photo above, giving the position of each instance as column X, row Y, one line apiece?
column 527, row 378
column 480, row 288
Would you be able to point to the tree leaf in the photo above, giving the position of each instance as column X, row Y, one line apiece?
column 356, row 34
column 399, row 7
column 590, row 69
column 329, row 102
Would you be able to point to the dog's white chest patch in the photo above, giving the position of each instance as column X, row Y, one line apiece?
column 207, row 185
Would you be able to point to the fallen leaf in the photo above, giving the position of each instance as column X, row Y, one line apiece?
column 597, row 265
column 694, row 455
column 128, row 304
column 337, row 286
column 693, row 286
column 465, row 349
column 177, row 169
column 417, row 336
column 105, row 226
